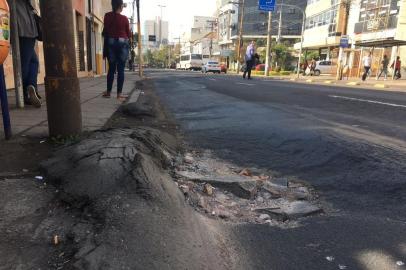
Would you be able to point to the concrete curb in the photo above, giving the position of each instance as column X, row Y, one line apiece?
column 381, row 85
column 353, row 83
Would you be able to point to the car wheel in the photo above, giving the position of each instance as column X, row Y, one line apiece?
column 317, row 72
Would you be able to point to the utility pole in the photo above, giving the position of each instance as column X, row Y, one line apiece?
column 211, row 36
column 278, row 40
column 340, row 66
column 178, row 38
column 240, row 38
column 15, row 44
column 61, row 81
column 140, row 62
column 268, row 45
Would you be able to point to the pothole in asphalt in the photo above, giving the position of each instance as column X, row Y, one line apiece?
column 222, row 190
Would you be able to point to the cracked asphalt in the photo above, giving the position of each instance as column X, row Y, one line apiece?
column 349, row 144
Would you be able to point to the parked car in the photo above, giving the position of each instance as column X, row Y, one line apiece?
column 260, row 67
column 211, row 66
column 223, row 68
column 323, row 67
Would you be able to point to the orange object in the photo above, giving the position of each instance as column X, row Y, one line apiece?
column 4, row 31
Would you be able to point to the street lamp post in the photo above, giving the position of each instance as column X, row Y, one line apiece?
column 240, row 31
column 240, row 38
column 301, row 43
column 211, row 35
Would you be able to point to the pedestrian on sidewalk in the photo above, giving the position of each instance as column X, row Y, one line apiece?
column 117, row 37
column 132, row 59
column 313, row 65
column 367, row 61
column 28, row 34
column 249, row 60
column 384, row 67
column 397, row 65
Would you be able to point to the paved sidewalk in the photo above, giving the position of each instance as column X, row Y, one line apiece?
column 96, row 110
column 370, row 83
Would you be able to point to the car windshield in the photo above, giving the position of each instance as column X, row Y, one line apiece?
column 196, row 56
column 213, row 63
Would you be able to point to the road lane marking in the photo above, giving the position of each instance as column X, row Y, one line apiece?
column 212, row 79
column 369, row 101
column 248, row 84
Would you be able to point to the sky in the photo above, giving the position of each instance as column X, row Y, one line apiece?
column 179, row 13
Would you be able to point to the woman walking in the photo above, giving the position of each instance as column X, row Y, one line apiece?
column 116, row 46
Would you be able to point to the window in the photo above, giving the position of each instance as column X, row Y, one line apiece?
column 327, row 17
column 196, row 56
column 185, row 58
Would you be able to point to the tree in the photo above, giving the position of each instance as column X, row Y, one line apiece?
column 149, row 57
column 281, row 55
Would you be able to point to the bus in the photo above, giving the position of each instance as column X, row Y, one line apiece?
column 190, row 62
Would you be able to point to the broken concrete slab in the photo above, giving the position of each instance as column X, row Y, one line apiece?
column 243, row 187
column 280, row 182
column 301, row 193
column 137, row 110
column 274, row 190
column 291, row 210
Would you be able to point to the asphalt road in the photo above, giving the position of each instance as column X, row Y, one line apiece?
column 349, row 144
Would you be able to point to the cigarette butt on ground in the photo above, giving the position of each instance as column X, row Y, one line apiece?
column 56, row 240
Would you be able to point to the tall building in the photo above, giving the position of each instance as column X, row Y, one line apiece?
column 286, row 18
column 287, row 23
column 158, row 29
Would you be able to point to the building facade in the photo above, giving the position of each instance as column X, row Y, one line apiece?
column 370, row 26
column 376, row 27
column 326, row 21
column 88, row 26
column 200, row 38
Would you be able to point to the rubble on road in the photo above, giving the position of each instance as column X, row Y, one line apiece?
column 242, row 195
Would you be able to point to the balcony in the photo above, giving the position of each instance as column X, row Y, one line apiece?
column 376, row 25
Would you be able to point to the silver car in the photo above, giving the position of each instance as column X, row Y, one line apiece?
column 211, row 66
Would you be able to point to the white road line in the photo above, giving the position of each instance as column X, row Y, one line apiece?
column 369, row 101
column 248, row 84
column 212, row 79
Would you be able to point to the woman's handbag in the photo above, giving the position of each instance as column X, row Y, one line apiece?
column 105, row 44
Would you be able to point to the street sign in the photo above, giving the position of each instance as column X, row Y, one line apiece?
column 152, row 38
column 267, row 5
column 344, row 42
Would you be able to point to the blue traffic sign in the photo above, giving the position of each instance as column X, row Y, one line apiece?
column 267, row 5
column 344, row 42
